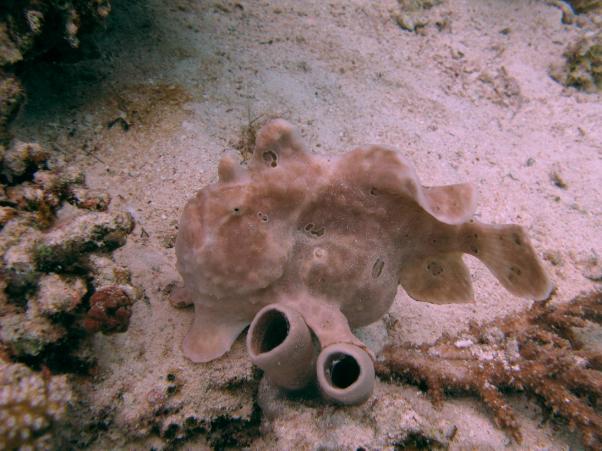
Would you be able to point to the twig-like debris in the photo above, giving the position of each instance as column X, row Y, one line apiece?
column 536, row 351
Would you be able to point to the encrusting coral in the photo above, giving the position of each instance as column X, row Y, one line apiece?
column 537, row 352
column 31, row 404
column 301, row 243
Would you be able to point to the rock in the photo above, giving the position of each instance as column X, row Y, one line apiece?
column 21, row 157
column 62, row 248
column 90, row 199
column 28, row 335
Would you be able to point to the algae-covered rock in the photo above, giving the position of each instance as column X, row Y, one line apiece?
column 22, row 156
column 584, row 6
column 583, row 68
column 585, row 64
column 63, row 247
column 29, row 335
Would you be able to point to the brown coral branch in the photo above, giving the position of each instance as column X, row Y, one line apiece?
column 536, row 351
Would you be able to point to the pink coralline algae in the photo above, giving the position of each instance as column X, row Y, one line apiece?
column 110, row 311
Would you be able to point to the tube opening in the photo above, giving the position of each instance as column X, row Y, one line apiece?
column 274, row 327
column 345, row 373
column 342, row 370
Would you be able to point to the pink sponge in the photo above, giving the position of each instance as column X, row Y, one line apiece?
column 330, row 239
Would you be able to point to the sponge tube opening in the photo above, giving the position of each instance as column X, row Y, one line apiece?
column 345, row 374
column 279, row 342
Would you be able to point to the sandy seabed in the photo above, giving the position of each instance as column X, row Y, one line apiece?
column 466, row 96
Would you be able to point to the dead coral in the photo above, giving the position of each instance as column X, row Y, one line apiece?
column 48, row 275
column 412, row 15
column 28, row 335
column 29, row 28
column 58, row 294
column 11, row 97
column 62, row 248
column 583, row 69
column 30, row 406
column 21, row 157
column 536, row 351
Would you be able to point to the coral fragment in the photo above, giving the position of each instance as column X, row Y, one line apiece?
column 538, row 353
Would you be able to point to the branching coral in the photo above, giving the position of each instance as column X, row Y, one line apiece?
column 536, row 351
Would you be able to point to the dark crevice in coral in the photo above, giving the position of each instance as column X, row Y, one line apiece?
column 416, row 441
column 19, row 284
column 226, row 432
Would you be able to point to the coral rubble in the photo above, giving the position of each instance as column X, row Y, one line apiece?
column 536, row 351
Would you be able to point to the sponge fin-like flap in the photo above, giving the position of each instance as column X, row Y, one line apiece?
column 210, row 335
column 438, row 279
column 451, row 204
column 507, row 252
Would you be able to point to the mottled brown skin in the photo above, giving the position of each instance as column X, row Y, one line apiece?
column 332, row 238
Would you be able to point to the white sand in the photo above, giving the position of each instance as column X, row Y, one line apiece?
column 465, row 103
